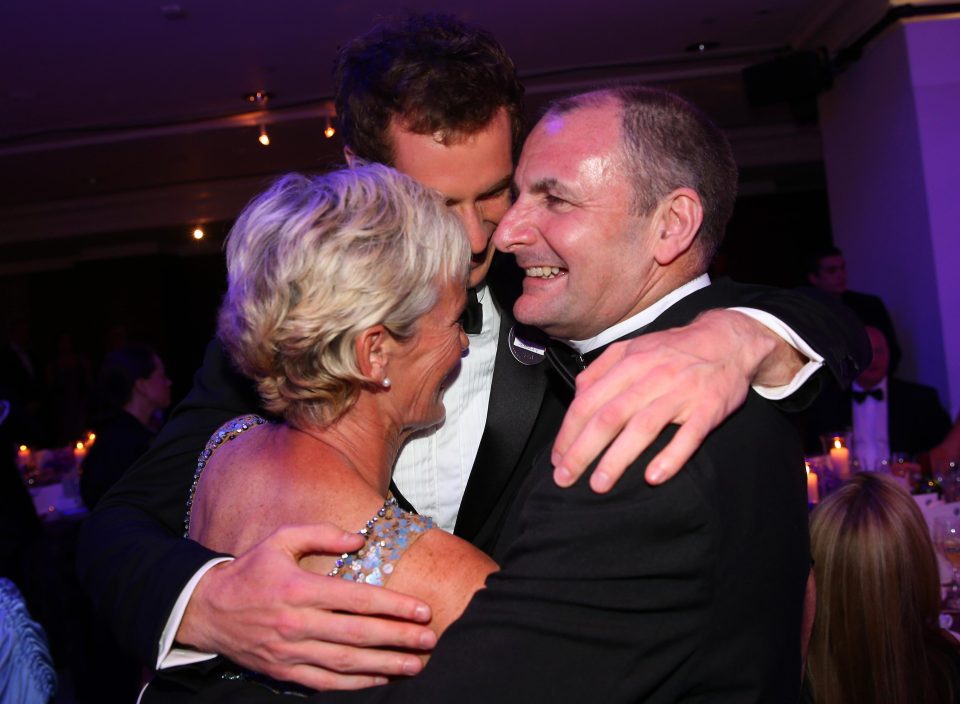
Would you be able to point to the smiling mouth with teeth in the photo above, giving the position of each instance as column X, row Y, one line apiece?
column 544, row 272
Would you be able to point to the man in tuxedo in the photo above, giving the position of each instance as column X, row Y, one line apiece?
column 687, row 591
column 402, row 100
column 827, row 271
column 887, row 415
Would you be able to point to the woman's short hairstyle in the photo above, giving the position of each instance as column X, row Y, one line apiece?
column 876, row 636
column 313, row 262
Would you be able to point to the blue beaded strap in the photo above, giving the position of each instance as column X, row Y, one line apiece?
column 227, row 431
column 388, row 535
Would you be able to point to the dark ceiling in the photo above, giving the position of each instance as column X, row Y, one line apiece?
column 128, row 117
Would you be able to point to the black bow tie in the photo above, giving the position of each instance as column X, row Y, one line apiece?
column 861, row 396
column 472, row 318
column 568, row 362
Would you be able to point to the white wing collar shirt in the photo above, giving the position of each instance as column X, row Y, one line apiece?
column 871, row 441
column 775, row 325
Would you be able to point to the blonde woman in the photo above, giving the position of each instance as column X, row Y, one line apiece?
column 345, row 294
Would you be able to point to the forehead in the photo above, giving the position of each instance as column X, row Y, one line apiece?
column 832, row 262
column 578, row 146
column 460, row 169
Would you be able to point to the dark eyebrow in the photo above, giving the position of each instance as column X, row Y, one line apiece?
column 552, row 186
column 499, row 186
column 544, row 185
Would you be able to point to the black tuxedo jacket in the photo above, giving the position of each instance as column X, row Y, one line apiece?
column 134, row 564
column 916, row 422
column 691, row 591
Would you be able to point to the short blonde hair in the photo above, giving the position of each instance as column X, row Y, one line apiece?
column 314, row 261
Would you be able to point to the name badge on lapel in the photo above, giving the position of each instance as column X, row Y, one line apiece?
column 526, row 352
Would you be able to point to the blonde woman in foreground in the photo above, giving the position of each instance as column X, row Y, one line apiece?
column 344, row 300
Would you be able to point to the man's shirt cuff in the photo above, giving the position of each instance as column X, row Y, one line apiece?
column 168, row 655
column 785, row 333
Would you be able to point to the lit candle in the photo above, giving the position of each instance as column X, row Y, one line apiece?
column 840, row 458
column 23, row 457
column 79, row 451
column 91, row 438
column 813, row 487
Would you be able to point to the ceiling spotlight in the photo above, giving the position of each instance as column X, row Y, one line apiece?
column 198, row 233
column 701, row 47
column 259, row 98
column 329, row 131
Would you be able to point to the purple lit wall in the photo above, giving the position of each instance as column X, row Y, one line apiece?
column 891, row 140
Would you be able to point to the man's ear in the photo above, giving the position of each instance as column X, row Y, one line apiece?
column 374, row 348
column 678, row 220
column 350, row 157
column 138, row 385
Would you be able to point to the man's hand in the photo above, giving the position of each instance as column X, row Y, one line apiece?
column 266, row 613
column 694, row 376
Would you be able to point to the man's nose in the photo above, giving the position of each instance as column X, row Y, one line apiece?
column 514, row 229
column 478, row 230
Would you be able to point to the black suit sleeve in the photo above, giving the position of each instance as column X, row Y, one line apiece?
column 131, row 559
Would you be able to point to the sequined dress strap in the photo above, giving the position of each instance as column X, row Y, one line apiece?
column 389, row 534
column 227, row 431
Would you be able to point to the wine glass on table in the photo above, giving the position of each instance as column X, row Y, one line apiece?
column 946, row 536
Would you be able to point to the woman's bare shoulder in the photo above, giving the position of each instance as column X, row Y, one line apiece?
column 443, row 570
column 234, row 490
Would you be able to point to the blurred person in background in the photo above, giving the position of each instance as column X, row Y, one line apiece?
column 827, row 271
column 26, row 670
column 876, row 635
column 133, row 389
column 887, row 415
column 20, row 526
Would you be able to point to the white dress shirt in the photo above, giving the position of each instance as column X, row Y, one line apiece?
column 871, row 441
